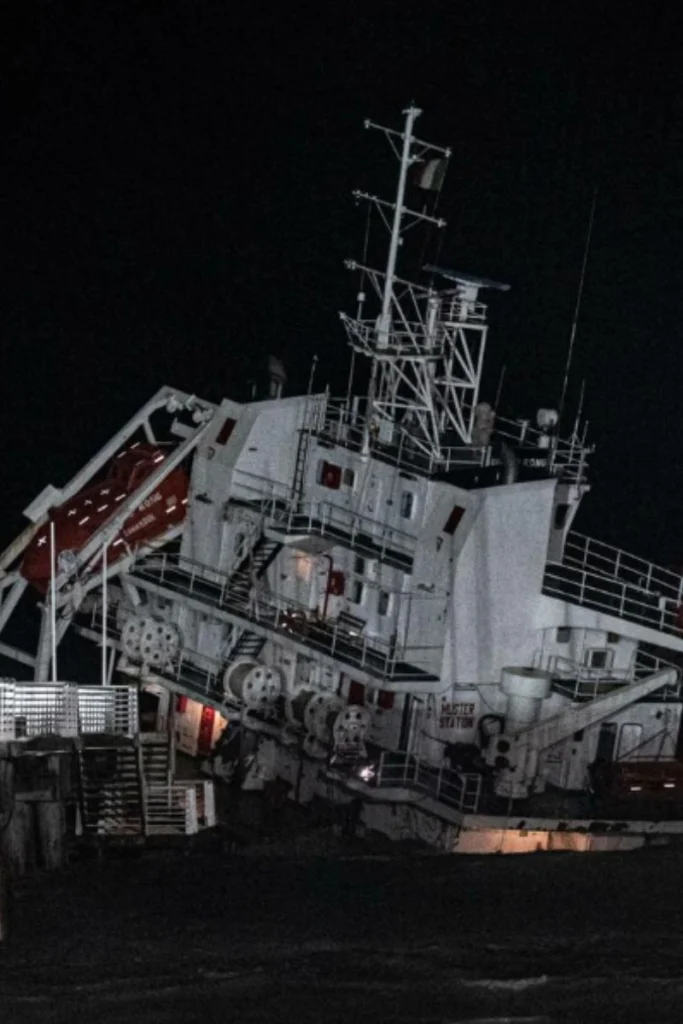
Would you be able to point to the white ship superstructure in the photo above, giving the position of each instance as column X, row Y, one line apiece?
column 378, row 599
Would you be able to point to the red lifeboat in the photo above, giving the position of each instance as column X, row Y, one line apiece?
column 77, row 520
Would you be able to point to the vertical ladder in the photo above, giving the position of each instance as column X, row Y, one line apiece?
column 311, row 410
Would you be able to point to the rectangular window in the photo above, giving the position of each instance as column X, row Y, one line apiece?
column 225, row 431
column 329, row 475
column 335, row 583
column 453, row 519
column 356, row 693
column 383, row 602
column 561, row 513
column 349, row 478
column 407, row 504
column 612, row 638
column 358, row 592
column 359, row 565
column 599, row 657
column 564, row 635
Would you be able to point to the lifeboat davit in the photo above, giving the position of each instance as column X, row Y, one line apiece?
column 77, row 520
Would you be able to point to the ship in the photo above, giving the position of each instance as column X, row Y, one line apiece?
column 376, row 601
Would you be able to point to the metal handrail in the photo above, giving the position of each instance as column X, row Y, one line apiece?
column 623, row 600
column 66, row 709
column 588, row 553
column 322, row 516
column 238, row 594
column 445, row 785
column 345, row 423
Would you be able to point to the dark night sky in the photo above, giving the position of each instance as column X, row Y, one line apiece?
column 175, row 204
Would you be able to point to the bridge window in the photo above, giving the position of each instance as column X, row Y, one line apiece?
column 358, row 592
column 383, row 602
column 564, row 635
column 349, row 478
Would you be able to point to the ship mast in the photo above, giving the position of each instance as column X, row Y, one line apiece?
column 426, row 347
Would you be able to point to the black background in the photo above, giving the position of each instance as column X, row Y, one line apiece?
column 175, row 205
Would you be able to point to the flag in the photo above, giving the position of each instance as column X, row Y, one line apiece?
column 429, row 174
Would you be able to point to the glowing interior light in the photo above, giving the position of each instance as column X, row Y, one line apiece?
column 669, row 785
column 636, row 789
column 72, row 511
column 81, row 522
column 88, row 501
column 171, row 509
column 184, row 501
column 132, row 446
column 119, row 497
column 159, row 458
column 119, row 541
column 105, row 490
column 102, row 507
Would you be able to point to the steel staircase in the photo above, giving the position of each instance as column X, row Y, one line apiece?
column 252, row 569
column 111, row 795
column 158, row 757
column 127, row 790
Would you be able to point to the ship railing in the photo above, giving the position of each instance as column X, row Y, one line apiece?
column 612, row 562
column 108, row 709
column 29, row 710
column 181, row 808
column 581, row 682
column 445, row 785
column 564, row 457
column 412, row 340
column 451, row 313
column 326, row 518
column 273, row 501
column 345, row 424
column 190, row 672
column 458, row 310
column 265, row 493
column 253, row 602
column 613, row 596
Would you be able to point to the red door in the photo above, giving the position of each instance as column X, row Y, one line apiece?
column 205, row 731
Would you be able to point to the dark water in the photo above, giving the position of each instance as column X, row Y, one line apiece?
column 214, row 936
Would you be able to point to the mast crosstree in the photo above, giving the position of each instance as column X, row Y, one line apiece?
column 426, row 346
